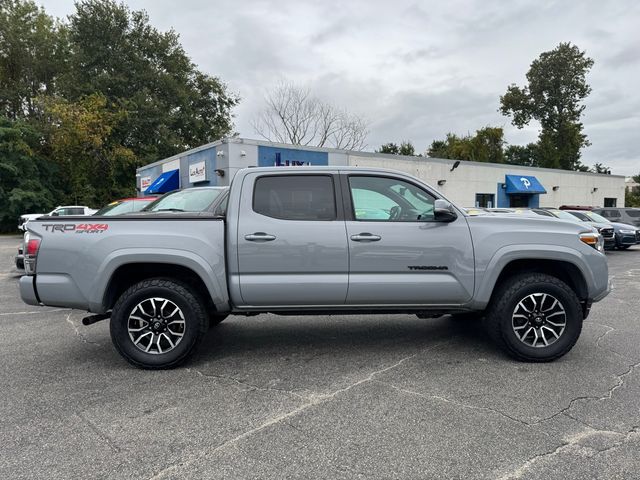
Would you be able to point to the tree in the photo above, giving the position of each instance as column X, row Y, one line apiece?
column 80, row 138
column 553, row 96
column 293, row 115
column 487, row 145
column 405, row 148
column 600, row 168
column 25, row 175
column 170, row 105
column 33, row 49
column 522, row 155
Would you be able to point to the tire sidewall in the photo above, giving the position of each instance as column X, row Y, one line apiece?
column 568, row 337
column 120, row 334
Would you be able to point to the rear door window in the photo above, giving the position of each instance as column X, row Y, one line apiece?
column 295, row 197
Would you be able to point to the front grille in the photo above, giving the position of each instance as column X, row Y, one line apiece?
column 607, row 232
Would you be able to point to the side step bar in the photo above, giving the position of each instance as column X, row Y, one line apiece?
column 91, row 319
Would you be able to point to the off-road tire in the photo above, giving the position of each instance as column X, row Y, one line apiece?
column 196, row 322
column 509, row 293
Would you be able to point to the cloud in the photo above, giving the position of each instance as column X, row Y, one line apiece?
column 416, row 70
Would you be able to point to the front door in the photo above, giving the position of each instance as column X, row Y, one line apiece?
column 292, row 244
column 398, row 254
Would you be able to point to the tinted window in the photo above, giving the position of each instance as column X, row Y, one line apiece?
column 70, row 211
column 633, row 213
column 389, row 199
column 295, row 197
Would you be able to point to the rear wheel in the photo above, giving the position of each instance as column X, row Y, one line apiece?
column 157, row 323
column 535, row 317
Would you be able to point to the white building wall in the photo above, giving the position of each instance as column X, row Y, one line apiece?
column 469, row 178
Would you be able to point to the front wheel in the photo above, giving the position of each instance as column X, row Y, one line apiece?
column 535, row 317
column 158, row 323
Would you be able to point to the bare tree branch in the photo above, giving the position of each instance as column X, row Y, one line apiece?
column 293, row 115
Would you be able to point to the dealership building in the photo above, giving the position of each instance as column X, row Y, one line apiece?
column 466, row 183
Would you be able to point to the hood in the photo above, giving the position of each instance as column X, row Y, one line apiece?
column 623, row 226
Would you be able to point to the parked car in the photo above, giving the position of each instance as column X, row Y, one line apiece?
column 630, row 216
column 625, row 235
column 61, row 211
column 577, row 207
column 292, row 241
column 19, row 259
column 125, row 205
column 602, row 224
column 197, row 199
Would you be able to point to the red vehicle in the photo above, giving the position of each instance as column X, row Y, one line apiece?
column 125, row 205
column 577, row 207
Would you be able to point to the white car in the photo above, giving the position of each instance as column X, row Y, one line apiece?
column 61, row 211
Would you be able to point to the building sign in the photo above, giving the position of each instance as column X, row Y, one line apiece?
column 290, row 157
column 197, row 172
column 144, row 183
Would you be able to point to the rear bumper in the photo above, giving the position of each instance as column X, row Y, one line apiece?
column 28, row 290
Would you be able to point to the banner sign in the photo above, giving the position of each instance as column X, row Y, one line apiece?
column 144, row 183
column 197, row 172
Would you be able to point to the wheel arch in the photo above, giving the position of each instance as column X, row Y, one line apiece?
column 564, row 264
column 118, row 273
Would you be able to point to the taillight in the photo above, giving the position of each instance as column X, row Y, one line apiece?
column 32, row 246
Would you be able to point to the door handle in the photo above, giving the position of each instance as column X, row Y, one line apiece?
column 259, row 237
column 365, row 237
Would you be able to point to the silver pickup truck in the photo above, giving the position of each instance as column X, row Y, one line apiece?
column 317, row 240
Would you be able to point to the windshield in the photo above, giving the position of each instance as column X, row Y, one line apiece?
column 596, row 218
column 565, row 215
column 122, row 207
column 189, row 200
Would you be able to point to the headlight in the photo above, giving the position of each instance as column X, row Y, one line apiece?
column 593, row 240
column 628, row 232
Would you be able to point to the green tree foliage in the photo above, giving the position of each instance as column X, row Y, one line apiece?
column 24, row 174
column 33, row 52
column 80, row 139
column 405, row 148
column 95, row 96
column 526, row 155
column 487, row 145
column 553, row 97
column 171, row 105
column 600, row 168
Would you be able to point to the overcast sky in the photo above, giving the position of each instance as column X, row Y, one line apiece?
column 415, row 70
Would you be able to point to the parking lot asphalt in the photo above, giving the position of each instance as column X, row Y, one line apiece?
column 384, row 396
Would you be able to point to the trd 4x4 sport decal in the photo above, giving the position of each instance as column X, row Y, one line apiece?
column 79, row 228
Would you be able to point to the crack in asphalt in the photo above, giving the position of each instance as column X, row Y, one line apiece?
column 455, row 402
column 607, row 396
column 572, row 444
column 77, row 331
column 249, row 386
column 607, row 332
column 312, row 400
column 103, row 436
column 36, row 312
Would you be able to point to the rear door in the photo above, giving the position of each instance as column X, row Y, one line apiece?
column 292, row 243
column 398, row 254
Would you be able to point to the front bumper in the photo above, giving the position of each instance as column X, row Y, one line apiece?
column 28, row 290
column 606, row 292
column 609, row 242
column 626, row 239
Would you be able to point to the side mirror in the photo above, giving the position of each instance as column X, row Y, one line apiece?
column 55, row 214
column 443, row 211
